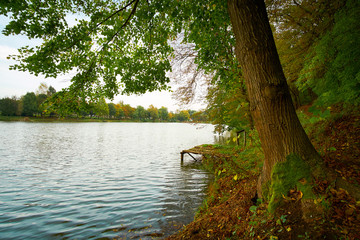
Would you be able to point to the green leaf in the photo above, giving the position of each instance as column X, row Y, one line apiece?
column 253, row 209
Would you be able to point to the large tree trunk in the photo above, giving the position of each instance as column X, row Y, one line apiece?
column 274, row 115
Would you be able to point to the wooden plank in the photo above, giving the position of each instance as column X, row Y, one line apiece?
column 192, row 156
column 200, row 150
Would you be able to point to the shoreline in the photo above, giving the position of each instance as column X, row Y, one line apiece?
column 84, row 120
column 225, row 209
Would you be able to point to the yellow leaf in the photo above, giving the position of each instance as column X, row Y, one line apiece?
column 286, row 198
column 303, row 181
column 288, row 229
column 235, row 177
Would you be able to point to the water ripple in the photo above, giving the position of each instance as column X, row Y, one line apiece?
column 97, row 180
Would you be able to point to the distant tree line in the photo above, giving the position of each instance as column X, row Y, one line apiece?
column 28, row 105
column 151, row 114
column 41, row 103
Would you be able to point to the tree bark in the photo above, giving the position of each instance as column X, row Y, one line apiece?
column 273, row 112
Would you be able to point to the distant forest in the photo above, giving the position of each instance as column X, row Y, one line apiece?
column 42, row 103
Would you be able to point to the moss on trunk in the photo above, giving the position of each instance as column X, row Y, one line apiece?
column 294, row 173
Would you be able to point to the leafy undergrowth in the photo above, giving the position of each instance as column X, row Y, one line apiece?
column 225, row 213
column 338, row 141
column 231, row 211
column 341, row 150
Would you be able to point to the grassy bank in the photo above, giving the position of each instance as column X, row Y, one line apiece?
column 230, row 210
column 225, row 212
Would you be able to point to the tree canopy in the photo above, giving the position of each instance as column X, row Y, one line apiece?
column 123, row 46
column 114, row 46
column 30, row 105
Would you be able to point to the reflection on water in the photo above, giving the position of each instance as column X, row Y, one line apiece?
column 98, row 180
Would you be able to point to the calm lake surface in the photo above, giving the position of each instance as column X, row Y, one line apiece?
column 98, row 180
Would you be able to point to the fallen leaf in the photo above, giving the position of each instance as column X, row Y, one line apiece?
column 301, row 195
column 303, row 181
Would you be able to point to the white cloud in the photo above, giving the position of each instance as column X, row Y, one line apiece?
column 5, row 51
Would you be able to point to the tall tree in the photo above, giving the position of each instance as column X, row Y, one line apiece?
column 183, row 115
column 42, row 89
column 119, row 110
column 51, row 91
column 101, row 108
column 283, row 139
column 112, row 110
column 128, row 111
column 8, row 106
column 163, row 114
column 140, row 113
column 30, row 105
column 41, row 98
column 153, row 113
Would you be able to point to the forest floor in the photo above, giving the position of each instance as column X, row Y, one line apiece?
column 231, row 210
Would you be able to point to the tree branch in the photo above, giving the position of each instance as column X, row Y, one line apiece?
column 122, row 26
column 115, row 13
column 112, row 38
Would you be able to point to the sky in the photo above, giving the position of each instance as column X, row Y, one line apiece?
column 16, row 83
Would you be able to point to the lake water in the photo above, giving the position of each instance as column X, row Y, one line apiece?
column 98, row 180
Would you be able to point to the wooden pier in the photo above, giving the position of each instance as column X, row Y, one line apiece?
column 198, row 150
